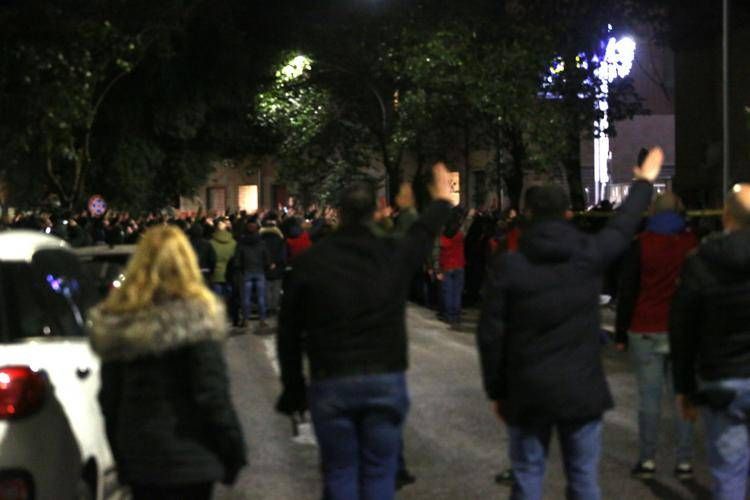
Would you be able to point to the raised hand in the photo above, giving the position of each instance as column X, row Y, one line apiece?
column 651, row 167
column 440, row 188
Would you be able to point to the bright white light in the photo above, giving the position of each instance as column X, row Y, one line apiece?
column 117, row 283
column 294, row 68
column 618, row 59
column 4, row 379
column 617, row 63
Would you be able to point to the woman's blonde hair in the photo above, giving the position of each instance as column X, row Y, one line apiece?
column 163, row 267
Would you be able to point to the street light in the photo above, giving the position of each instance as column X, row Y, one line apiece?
column 616, row 63
column 294, row 68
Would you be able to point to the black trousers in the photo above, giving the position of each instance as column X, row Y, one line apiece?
column 197, row 491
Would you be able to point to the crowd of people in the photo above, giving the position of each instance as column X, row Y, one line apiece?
column 681, row 313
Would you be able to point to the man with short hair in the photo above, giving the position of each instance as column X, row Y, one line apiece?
column 344, row 303
column 539, row 338
column 710, row 344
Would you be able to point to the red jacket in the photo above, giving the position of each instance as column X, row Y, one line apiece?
column 298, row 245
column 661, row 260
column 514, row 238
column 452, row 252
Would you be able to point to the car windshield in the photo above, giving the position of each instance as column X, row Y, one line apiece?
column 45, row 298
column 106, row 271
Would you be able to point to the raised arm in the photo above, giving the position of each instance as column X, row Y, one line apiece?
column 616, row 236
column 419, row 239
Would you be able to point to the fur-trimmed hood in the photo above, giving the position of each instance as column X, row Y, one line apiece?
column 154, row 330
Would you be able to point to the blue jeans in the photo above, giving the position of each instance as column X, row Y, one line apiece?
column 653, row 371
column 729, row 441
column 257, row 282
column 581, row 447
column 358, row 422
column 453, row 289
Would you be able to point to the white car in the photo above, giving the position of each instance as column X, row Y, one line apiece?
column 52, row 439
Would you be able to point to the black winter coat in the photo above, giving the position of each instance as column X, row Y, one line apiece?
column 165, row 394
column 251, row 255
column 206, row 254
column 709, row 329
column 539, row 330
column 275, row 243
column 346, row 297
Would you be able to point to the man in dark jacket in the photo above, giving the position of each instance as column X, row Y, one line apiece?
column 710, row 343
column 346, row 297
column 539, row 336
column 273, row 238
column 252, row 259
column 204, row 251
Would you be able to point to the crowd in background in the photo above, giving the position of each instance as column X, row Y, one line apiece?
column 264, row 243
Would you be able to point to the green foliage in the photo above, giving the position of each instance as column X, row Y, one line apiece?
column 318, row 148
column 131, row 180
column 54, row 80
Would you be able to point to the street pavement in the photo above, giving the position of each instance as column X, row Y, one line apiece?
column 454, row 444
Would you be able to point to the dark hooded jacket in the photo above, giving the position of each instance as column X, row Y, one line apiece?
column 251, row 255
column 539, row 330
column 273, row 238
column 165, row 394
column 710, row 316
column 204, row 251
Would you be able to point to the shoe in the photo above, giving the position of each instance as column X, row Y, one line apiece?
column 645, row 469
column 506, row 478
column 683, row 471
column 404, row 478
column 263, row 329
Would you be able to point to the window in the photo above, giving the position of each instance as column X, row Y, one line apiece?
column 217, row 199
column 45, row 298
column 248, row 198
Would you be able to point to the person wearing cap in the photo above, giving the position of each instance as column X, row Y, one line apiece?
column 648, row 280
column 709, row 334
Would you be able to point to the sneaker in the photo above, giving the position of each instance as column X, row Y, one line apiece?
column 644, row 470
column 506, row 478
column 684, row 471
column 404, row 478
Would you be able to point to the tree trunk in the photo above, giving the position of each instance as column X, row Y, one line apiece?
column 572, row 163
column 514, row 175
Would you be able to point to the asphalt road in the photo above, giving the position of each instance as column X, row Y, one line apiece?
column 454, row 444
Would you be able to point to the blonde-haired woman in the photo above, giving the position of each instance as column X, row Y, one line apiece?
column 165, row 393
